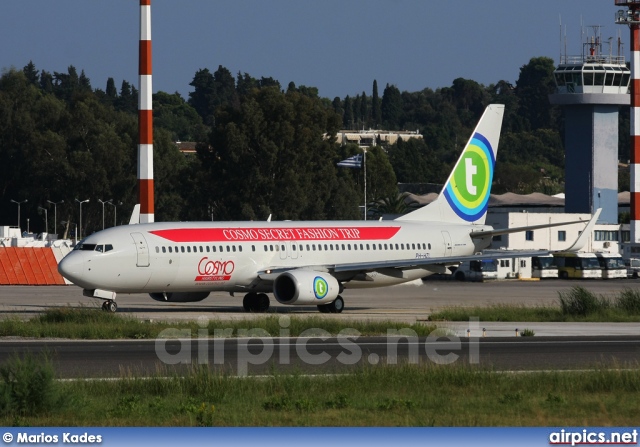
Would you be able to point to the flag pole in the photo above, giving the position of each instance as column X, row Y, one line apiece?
column 364, row 156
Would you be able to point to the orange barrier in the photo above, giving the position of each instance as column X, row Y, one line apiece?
column 28, row 266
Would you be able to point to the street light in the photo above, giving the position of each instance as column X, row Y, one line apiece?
column 114, row 211
column 80, row 220
column 19, row 203
column 46, row 218
column 103, row 202
column 55, row 215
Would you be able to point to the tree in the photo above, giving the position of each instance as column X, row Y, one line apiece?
column 31, row 73
column 381, row 180
column 391, row 107
column 376, row 111
column 533, row 88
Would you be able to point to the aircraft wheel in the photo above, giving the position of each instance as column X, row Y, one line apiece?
column 323, row 308
column 337, row 306
column 262, row 303
column 104, row 306
column 111, row 306
column 249, row 300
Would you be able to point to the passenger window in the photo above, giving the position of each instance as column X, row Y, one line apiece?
column 429, row 245
column 164, row 249
column 379, row 246
column 307, row 247
column 301, row 247
column 170, row 251
column 361, row 247
column 367, row 246
column 188, row 249
column 348, row 246
column 385, row 247
column 213, row 249
column 397, row 247
column 282, row 248
column 228, row 249
column 270, row 247
column 234, row 248
column 331, row 247
column 325, row 247
column 239, row 247
column 293, row 247
column 319, row 247
column 253, row 248
column 221, row 249
column 266, row 248
column 343, row 246
column 195, row 249
column 413, row 246
column 355, row 246
column 313, row 247
column 182, row 249
column 207, row 249
column 374, row 246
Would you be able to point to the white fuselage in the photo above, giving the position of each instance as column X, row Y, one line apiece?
column 239, row 256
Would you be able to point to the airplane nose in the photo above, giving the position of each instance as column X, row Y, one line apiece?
column 72, row 267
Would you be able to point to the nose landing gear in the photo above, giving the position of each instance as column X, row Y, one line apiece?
column 109, row 306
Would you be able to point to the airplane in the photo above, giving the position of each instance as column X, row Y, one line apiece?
column 302, row 263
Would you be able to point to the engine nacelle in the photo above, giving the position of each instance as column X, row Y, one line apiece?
column 179, row 297
column 305, row 287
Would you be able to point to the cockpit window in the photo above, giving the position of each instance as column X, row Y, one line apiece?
column 94, row 247
column 86, row 247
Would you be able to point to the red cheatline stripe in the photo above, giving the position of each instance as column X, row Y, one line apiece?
column 145, row 196
column 145, row 57
column 302, row 233
column 145, row 126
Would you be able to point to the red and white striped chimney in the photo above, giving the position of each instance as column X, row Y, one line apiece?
column 145, row 118
column 635, row 133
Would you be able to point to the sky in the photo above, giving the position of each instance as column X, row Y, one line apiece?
column 338, row 46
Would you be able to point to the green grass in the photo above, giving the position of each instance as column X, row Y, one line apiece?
column 576, row 305
column 409, row 395
column 96, row 324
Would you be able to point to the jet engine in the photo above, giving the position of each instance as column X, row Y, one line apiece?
column 305, row 287
column 179, row 297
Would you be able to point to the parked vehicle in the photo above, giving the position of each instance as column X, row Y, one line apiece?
column 577, row 265
column 633, row 268
column 543, row 267
column 612, row 265
column 476, row 270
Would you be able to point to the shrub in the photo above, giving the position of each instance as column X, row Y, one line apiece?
column 629, row 301
column 27, row 386
column 581, row 302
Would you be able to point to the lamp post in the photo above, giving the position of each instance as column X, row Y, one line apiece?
column 115, row 223
column 103, row 202
column 80, row 220
column 19, row 203
column 46, row 218
column 55, row 215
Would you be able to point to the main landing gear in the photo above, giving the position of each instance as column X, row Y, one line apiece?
column 334, row 307
column 256, row 302
column 109, row 306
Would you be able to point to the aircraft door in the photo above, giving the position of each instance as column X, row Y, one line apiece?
column 142, row 248
column 293, row 250
column 448, row 248
column 283, row 250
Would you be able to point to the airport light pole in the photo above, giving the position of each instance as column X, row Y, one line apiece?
column 55, row 215
column 80, row 221
column 46, row 218
column 115, row 222
column 103, row 202
column 19, row 203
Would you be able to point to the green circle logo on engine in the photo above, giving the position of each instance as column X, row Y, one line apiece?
column 320, row 287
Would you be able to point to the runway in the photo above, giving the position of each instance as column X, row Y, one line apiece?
column 110, row 359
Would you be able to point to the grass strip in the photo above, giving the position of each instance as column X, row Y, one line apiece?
column 576, row 305
column 405, row 395
column 95, row 324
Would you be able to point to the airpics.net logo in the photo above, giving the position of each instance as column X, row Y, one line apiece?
column 470, row 185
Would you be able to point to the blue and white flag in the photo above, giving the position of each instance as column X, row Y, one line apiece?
column 352, row 162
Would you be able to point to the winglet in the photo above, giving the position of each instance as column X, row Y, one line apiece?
column 135, row 215
column 584, row 235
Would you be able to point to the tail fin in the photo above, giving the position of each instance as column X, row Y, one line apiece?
column 465, row 195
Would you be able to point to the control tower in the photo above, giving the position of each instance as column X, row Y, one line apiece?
column 590, row 88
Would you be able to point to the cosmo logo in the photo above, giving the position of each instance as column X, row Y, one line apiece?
column 470, row 183
column 210, row 270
